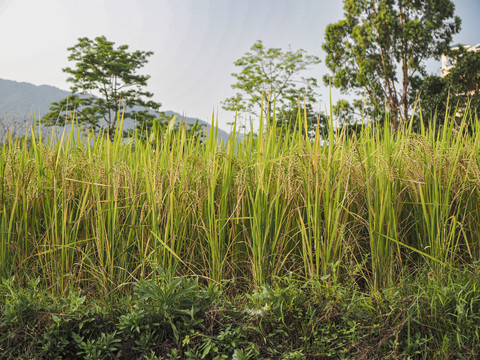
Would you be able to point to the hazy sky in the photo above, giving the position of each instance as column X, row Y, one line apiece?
column 195, row 42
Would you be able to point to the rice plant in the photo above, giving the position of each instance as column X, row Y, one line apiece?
column 88, row 212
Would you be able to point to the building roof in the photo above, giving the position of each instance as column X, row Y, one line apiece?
column 467, row 47
column 448, row 63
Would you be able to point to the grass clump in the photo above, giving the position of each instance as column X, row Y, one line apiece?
column 343, row 218
column 104, row 214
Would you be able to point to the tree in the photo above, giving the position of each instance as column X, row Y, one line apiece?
column 380, row 48
column 433, row 100
column 294, row 114
column 270, row 77
column 349, row 113
column 459, row 88
column 104, row 77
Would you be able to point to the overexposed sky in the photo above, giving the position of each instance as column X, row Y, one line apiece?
column 195, row 42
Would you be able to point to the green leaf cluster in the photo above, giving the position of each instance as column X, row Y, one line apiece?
column 104, row 79
column 380, row 47
column 458, row 90
column 269, row 81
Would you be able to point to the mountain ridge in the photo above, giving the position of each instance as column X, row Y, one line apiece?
column 20, row 101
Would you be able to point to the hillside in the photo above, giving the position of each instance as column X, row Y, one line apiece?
column 20, row 100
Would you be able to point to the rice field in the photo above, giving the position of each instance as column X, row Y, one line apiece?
column 375, row 208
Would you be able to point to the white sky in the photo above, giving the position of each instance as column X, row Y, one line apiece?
column 195, row 42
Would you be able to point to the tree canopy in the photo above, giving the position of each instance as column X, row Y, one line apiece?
column 461, row 86
column 269, row 80
column 104, row 78
column 379, row 48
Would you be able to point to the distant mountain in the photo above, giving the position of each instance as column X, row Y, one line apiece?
column 19, row 101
